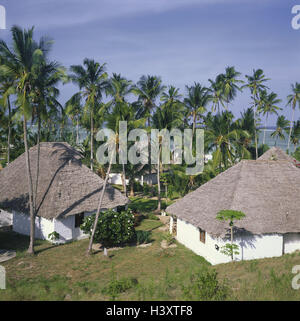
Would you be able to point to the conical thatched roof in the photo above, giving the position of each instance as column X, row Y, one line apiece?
column 266, row 191
column 276, row 153
column 66, row 186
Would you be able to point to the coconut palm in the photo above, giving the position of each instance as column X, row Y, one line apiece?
column 74, row 111
column 281, row 127
column 293, row 99
column 267, row 105
column 19, row 63
column 91, row 79
column 295, row 135
column 169, row 115
column 256, row 84
column 217, row 93
column 148, row 89
column 230, row 82
column 196, row 102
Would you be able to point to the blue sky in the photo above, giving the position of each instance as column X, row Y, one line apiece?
column 180, row 40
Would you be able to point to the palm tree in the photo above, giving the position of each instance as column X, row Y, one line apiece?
column 230, row 84
column 168, row 116
column 148, row 89
column 91, row 80
column 295, row 135
column 217, row 93
column 223, row 137
column 267, row 105
column 74, row 111
column 293, row 99
column 19, row 63
column 281, row 126
column 256, row 84
column 196, row 102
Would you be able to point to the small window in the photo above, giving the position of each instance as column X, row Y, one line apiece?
column 79, row 219
column 202, row 235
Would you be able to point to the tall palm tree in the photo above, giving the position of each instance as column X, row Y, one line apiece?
column 281, row 127
column 18, row 63
column 74, row 111
column 293, row 99
column 267, row 105
column 196, row 102
column 169, row 115
column 255, row 83
column 217, row 93
column 91, row 79
column 230, row 82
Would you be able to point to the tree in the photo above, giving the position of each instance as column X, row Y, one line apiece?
column 196, row 102
column 217, row 93
column 256, row 84
column 74, row 111
column 168, row 116
column 281, row 126
column 19, row 63
column 91, row 80
column 295, row 135
column 267, row 105
column 293, row 99
column 231, row 216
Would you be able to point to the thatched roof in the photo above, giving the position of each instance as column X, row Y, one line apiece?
column 276, row 153
column 66, row 186
column 266, row 191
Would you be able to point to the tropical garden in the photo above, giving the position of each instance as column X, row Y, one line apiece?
column 31, row 112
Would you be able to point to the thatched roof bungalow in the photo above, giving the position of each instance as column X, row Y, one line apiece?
column 67, row 191
column 267, row 191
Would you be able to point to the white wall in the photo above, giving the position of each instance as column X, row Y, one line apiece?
column 291, row 242
column 6, row 218
column 43, row 227
column 251, row 247
column 116, row 178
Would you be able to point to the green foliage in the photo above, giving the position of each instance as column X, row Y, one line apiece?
column 143, row 237
column 169, row 238
column 205, row 286
column 53, row 236
column 230, row 215
column 153, row 217
column 297, row 154
column 230, row 249
column 112, row 229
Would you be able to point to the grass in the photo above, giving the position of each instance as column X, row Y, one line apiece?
column 146, row 205
column 64, row 272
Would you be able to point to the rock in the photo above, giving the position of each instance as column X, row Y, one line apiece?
column 145, row 245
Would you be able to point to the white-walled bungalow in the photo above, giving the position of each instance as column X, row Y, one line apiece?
column 266, row 191
column 67, row 192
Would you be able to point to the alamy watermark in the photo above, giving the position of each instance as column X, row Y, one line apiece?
column 2, row 278
column 154, row 147
column 296, row 19
column 2, row 17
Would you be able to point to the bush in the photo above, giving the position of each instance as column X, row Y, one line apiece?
column 152, row 216
column 112, row 229
column 116, row 287
column 169, row 238
column 143, row 237
column 205, row 286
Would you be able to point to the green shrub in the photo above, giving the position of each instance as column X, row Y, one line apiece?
column 116, row 287
column 54, row 236
column 205, row 286
column 169, row 238
column 152, row 216
column 143, row 237
column 112, row 229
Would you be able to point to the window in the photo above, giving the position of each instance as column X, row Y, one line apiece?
column 202, row 235
column 79, row 219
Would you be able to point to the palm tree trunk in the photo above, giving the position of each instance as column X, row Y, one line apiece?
column 89, row 250
column 77, row 130
column 231, row 233
column 158, row 180
column 38, row 162
column 9, row 130
column 132, row 188
column 124, row 180
column 194, row 124
column 30, row 191
column 255, row 133
column 291, row 128
column 92, row 142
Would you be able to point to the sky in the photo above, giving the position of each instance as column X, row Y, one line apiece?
column 182, row 41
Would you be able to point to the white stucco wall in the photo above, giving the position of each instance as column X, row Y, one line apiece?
column 251, row 247
column 291, row 242
column 6, row 218
column 43, row 227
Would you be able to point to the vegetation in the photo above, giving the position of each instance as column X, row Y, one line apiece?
column 63, row 273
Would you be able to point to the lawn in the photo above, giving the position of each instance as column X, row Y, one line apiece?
column 132, row 273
